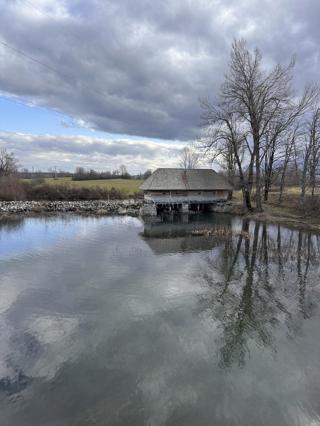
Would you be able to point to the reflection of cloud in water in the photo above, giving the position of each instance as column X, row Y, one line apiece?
column 107, row 329
column 28, row 235
column 8, row 294
column 55, row 334
column 52, row 329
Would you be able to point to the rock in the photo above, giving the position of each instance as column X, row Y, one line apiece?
column 101, row 212
column 149, row 210
column 99, row 207
column 122, row 211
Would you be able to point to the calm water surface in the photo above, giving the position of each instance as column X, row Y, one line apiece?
column 112, row 321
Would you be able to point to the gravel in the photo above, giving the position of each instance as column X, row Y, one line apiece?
column 99, row 207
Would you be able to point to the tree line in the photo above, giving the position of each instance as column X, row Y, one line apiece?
column 23, row 184
column 9, row 167
column 122, row 173
column 259, row 129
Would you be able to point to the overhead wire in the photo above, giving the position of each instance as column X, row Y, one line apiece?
column 20, row 52
column 26, row 55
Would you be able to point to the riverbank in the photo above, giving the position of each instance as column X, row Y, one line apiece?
column 280, row 216
column 290, row 212
column 129, row 207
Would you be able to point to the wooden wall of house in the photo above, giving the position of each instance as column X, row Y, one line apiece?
column 218, row 194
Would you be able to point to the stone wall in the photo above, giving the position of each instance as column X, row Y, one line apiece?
column 121, row 207
column 149, row 210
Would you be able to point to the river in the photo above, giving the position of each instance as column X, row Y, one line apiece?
column 200, row 320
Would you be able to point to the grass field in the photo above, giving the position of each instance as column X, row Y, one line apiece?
column 129, row 186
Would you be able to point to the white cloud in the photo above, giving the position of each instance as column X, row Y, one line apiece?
column 68, row 152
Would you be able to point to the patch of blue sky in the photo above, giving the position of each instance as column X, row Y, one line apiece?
column 19, row 117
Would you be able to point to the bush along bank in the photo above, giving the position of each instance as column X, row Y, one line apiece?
column 14, row 189
column 97, row 207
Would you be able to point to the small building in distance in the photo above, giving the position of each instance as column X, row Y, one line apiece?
column 184, row 189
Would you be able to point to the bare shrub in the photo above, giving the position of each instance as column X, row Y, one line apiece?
column 8, row 163
column 70, row 193
column 11, row 188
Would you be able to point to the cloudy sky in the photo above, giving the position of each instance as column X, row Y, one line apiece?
column 100, row 83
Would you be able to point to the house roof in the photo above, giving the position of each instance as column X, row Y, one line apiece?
column 185, row 179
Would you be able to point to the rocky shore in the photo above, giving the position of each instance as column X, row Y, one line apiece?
column 97, row 207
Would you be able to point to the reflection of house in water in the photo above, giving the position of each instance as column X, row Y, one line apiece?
column 175, row 233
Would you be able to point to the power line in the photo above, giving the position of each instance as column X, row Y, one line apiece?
column 26, row 55
column 29, row 3
column 35, row 60
column 41, row 11
column 10, row 98
column 31, row 58
column 20, row 52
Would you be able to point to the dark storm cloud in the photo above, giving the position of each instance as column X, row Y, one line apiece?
column 139, row 67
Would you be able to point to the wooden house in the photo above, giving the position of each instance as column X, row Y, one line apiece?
column 184, row 190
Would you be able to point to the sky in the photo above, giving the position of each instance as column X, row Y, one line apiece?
column 100, row 83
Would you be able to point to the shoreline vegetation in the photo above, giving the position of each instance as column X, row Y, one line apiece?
column 12, row 188
column 288, row 214
column 122, row 197
column 280, row 216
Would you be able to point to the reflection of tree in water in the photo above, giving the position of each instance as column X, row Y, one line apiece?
column 267, row 273
column 11, row 223
column 307, row 259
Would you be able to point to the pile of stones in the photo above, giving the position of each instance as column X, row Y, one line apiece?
column 99, row 207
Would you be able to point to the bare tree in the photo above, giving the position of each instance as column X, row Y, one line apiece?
column 304, row 172
column 263, row 107
column 226, row 141
column 289, row 150
column 189, row 158
column 261, row 98
column 314, row 135
column 80, row 171
column 310, row 155
column 8, row 163
column 147, row 174
column 274, row 142
column 124, row 172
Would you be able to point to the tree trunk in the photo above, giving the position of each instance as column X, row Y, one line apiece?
column 246, row 198
column 304, row 175
column 269, row 173
column 246, row 189
column 282, row 184
column 258, row 177
column 285, row 165
column 266, row 191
